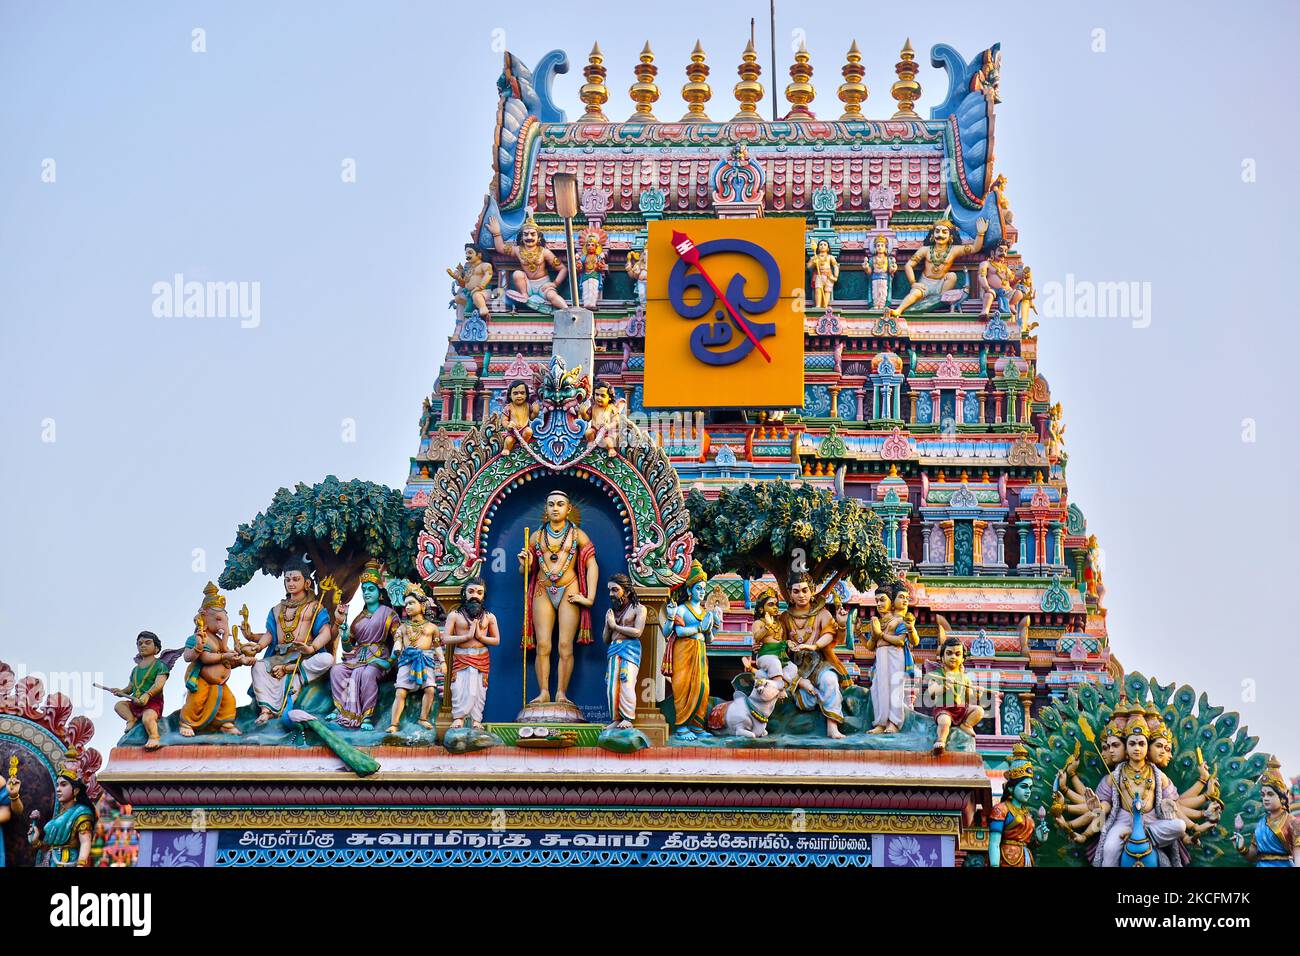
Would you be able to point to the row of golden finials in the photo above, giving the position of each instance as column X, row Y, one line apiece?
column 749, row 91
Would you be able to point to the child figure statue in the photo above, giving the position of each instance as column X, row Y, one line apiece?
column 518, row 416
column 143, row 695
column 605, row 418
column 952, row 694
column 420, row 661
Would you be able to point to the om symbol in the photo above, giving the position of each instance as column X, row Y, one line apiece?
column 722, row 329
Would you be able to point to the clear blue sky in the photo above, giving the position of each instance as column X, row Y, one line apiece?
column 1123, row 165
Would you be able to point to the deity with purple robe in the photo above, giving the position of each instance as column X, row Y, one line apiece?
column 367, row 654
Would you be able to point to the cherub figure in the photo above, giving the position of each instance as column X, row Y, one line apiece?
column 533, row 285
column 938, row 259
column 518, row 415
column 605, row 417
column 472, row 279
column 953, row 694
column 142, row 698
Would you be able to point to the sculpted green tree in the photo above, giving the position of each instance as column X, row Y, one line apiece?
column 339, row 525
column 776, row 528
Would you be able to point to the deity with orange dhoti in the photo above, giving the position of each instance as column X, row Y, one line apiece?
column 209, row 702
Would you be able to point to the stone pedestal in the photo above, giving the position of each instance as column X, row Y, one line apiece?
column 575, row 339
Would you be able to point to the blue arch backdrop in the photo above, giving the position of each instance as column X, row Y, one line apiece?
column 522, row 507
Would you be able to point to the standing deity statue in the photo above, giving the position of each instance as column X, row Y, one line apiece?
column 998, row 283
column 893, row 635
column 533, row 285
column 810, row 641
column 1013, row 832
column 66, row 839
column 689, row 626
column 592, row 265
column 624, row 622
column 471, row 632
column 952, row 694
column 559, row 562
column 420, row 662
column 1135, row 801
column 638, row 268
column 1275, row 840
column 825, row 269
column 605, row 418
column 1055, row 431
column 518, row 415
column 472, row 280
column 938, row 259
column 209, row 701
column 367, row 652
column 1025, row 300
column 143, row 695
column 881, row 267
column 297, row 643
column 11, row 802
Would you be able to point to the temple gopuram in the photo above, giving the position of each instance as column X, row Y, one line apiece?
column 939, row 419
column 737, row 533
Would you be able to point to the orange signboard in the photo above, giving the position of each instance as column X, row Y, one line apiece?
column 724, row 313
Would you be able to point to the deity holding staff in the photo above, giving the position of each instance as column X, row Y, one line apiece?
column 559, row 562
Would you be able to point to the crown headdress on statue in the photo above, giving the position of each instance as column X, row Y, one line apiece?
column 1137, row 725
column 1120, row 717
column 1272, row 777
column 373, row 573
column 69, row 770
column 529, row 222
column 212, row 598
column 1019, row 768
column 414, row 590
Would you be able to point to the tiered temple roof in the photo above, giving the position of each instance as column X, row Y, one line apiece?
column 939, row 420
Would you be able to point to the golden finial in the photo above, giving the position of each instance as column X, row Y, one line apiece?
column 644, row 92
column 800, row 92
column 907, row 91
column 594, row 93
column 748, row 91
column 696, row 92
column 853, row 92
